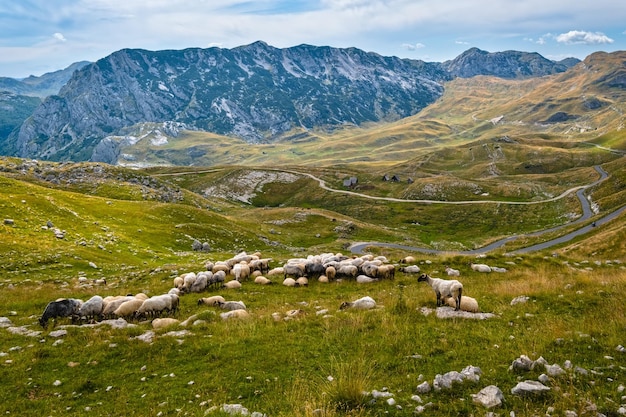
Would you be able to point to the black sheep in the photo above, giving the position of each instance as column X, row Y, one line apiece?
column 64, row 307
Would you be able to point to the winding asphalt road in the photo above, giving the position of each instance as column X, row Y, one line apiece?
column 359, row 248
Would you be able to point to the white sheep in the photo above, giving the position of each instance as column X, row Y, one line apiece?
column 92, row 308
column 217, row 279
column 411, row 269
column 178, row 282
column 364, row 303
column 111, row 304
column 468, row 304
column 157, row 304
column 211, row 301
column 231, row 305
column 261, row 280
column 188, row 280
column 452, row 272
column 161, row 323
column 330, row 272
column 276, row 271
column 201, row 282
column 289, row 282
column 237, row 314
column 364, row 279
column 232, row 284
column 128, row 308
column 444, row 288
column 323, row 279
column 480, row 267
column 241, row 271
column 302, row 282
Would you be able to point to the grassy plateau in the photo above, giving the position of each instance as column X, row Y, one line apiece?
column 467, row 177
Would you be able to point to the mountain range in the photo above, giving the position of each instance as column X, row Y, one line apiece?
column 256, row 92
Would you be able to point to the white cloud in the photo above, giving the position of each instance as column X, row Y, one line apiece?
column 580, row 37
column 59, row 36
column 413, row 46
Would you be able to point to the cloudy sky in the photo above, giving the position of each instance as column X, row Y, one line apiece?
column 38, row 36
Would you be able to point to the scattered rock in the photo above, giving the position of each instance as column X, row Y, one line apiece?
column 529, row 388
column 5, row 322
column 489, row 397
column 58, row 333
column 147, row 337
column 520, row 300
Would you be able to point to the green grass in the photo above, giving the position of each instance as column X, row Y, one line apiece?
column 283, row 367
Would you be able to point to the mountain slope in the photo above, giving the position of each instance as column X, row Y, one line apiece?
column 45, row 85
column 255, row 92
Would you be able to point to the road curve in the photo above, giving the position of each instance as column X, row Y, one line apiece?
column 359, row 248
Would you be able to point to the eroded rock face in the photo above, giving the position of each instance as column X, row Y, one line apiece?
column 254, row 92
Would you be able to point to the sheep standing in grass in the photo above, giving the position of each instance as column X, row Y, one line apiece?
column 92, row 308
column 444, row 288
column 65, row 307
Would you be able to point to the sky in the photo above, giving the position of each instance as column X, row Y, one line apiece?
column 39, row 36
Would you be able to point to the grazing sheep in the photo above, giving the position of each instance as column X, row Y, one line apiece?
column 232, row 284
column 330, row 272
column 128, row 308
column 323, row 279
column 162, row 323
column 235, row 314
column 407, row 260
column 387, row 271
column 289, row 282
column 217, row 279
column 468, row 304
column 444, row 288
column 364, row 279
column 220, row 266
column 452, row 272
column 201, row 282
column 188, row 280
column 174, row 291
column 364, row 303
column 294, row 270
column 64, row 307
column 178, row 282
column 241, row 271
column 314, row 269
column 411, row 269
column 347, row 271
column 112, row 303
column 211, row 301
column 480, row 267
column 158, row 304
column 231, row 305
column 302, row 282
column 276, row 271
column 92, row 308
column 261, row 280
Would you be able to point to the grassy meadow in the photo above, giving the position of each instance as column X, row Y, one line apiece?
column 135, row 229
column 487, row 143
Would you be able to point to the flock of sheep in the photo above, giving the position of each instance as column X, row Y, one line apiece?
column 244, row 267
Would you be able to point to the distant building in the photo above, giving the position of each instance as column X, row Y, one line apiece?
column 350, row 182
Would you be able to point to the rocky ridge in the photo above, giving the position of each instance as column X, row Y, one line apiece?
column 255, row 92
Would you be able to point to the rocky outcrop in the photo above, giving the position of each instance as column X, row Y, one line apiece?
column 255, row 92
column 508, row 64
